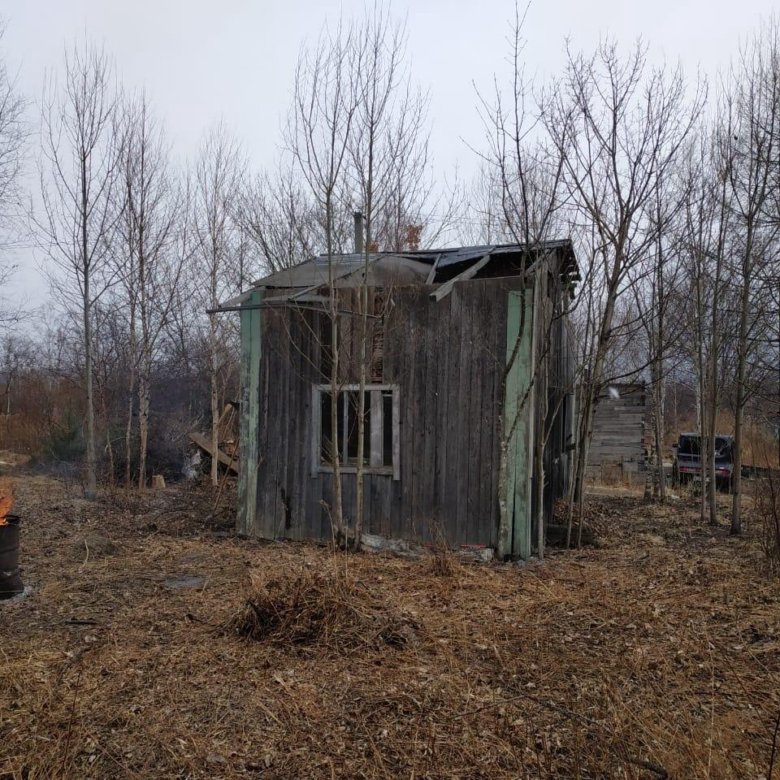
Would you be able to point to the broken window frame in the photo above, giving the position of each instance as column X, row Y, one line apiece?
column 375, row 427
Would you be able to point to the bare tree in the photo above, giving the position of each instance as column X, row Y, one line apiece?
column 217, row 183
column 526, row 177
column 13, row 135
column 619, row 129
column 16, row 354
column 754, row 134
column 653, row 286
column 279, row 219
column 318, row 136
column 481, row 219
column 701, row 236
column 150, row 266
column 388, row 151
column 78, row 176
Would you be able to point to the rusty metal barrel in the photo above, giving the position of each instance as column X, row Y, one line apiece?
column 10, row 578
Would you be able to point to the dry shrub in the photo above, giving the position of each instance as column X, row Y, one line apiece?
column 443, row 560
column 329, row 609
column 767, row 508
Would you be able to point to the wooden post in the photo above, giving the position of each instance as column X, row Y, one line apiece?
column 516, row 540
column 249, row 429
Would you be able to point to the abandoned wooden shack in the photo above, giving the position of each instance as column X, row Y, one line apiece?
column 454, row 338
column 621, row 434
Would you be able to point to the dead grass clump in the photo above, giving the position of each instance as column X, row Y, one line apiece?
column 443, row 560
column 329, row 610
column 767, row 508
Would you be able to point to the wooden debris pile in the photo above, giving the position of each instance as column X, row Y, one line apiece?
column 227, row 449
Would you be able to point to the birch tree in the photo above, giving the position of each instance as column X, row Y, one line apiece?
column 150, row 265
column 78, row 177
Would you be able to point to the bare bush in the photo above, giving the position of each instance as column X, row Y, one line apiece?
column 767, row 509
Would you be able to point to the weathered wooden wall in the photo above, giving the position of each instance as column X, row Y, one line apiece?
column 447, row 358
column 618, row 431
column 560, row 414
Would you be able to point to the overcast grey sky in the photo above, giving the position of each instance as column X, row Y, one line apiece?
column 206, row 60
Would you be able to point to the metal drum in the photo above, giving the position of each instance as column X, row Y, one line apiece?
column 10, row 579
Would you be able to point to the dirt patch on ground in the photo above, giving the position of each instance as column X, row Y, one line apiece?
column 658, row 652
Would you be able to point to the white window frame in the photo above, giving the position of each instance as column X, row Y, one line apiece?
column 376, row 427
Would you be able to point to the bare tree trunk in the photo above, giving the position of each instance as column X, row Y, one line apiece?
column 361, row 410
column 657, row 395
column 588, row 435
column 739, row 413
column 337, row 510
column 107, row 423
column 130, row 402
column 143, row 419
column 575, row 457
column 91, row 475
column 214, row 395
column 704, row 420
column 146, row 346
column 657, row 369
column 539, row 447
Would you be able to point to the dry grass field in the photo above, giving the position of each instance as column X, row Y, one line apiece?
column 155, row 644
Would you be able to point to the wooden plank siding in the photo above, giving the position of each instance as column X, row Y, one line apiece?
column 619, row 430
column 446, row 358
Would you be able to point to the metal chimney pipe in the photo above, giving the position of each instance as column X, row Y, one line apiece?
column 358, row 215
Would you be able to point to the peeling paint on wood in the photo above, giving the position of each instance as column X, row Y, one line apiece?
column 519, row 447
column 249, row 414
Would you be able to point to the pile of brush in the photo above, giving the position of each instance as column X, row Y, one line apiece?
column 327, row 608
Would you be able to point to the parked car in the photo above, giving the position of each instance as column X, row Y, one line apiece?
column 687, row 460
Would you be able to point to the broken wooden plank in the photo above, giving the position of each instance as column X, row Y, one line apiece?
column 205, row 444
column 434, row 267
column 470, row 272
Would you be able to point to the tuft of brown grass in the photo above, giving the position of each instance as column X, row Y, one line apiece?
column 329, row 609
column 443, row 561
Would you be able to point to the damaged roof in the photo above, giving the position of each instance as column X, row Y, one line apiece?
column 436, row 267
column 407, row 266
